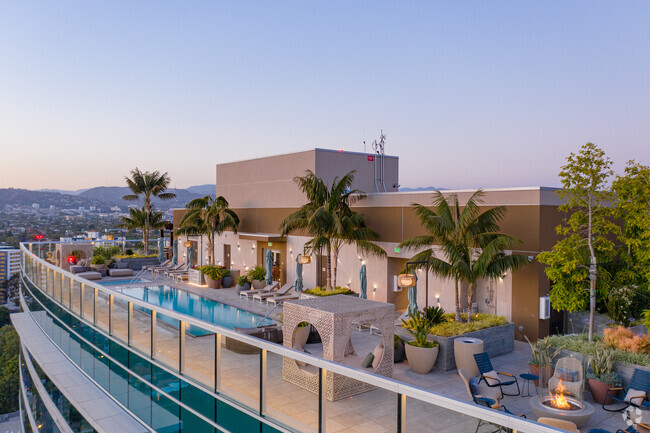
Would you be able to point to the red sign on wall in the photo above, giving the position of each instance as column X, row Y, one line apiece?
column 371, row 158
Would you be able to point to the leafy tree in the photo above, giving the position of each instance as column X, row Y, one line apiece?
column 9, row 376
column 328, row 217
column 145, row 186
column 4, row 316
column 469, row 240
column 574, row 262
column 143, row 220
column 209, row 217
column 632, row 209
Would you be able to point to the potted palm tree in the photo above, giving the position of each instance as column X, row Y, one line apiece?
column 420, row 353
column 256, row 275
column 602, row 375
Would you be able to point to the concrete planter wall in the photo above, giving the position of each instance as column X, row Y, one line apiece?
column 137, row 263
column 498, row 340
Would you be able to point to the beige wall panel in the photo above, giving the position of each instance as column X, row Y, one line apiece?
column 331, row 164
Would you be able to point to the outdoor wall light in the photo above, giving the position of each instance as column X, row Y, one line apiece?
column 238, row 246
column 406, row 280
column 438, row 299
column 304, row 260
column 291, row 252
column 110, row 237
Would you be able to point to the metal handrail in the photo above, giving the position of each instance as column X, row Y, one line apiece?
column 388, row 384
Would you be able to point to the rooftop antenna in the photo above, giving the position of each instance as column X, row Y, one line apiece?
column 378, row 147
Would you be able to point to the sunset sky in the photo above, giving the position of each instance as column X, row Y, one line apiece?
column 469, row 94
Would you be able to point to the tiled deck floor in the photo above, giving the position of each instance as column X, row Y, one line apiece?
column 374, row 411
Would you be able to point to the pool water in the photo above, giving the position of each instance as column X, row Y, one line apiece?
column 195, row 306
column 118, row 282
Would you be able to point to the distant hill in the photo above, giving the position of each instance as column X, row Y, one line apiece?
column 64, row 191
column 112, row 195
column 25, row 197
column 421, row 188
column 203, row 190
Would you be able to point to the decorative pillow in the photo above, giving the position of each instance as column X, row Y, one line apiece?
column 367, row 362
column 567, row 375
column 635, row 394
column 377, row 354
column 473, row 385
column 298, row 347
column 494, row 378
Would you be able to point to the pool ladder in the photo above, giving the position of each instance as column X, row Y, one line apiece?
column 268, row 314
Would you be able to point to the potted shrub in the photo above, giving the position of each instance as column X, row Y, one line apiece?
column 98, row 263
column 302, row 333
column 602, row 375
column 541, row 359
column 421, row 353
column 256, row 275
column 227, row 280
column 214, row 275
column 243, row 283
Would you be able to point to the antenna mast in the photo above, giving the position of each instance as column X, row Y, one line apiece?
column 378, row 147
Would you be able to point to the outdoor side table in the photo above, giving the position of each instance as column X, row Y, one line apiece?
column 527, row 377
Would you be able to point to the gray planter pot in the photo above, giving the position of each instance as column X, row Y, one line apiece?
column 259, row 284
column 226, row 282
column 239, row 288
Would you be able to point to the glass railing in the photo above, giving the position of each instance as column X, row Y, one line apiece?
column 218, row 377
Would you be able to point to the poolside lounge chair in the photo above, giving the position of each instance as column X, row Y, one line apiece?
column 275, row 300
column 282, row 291
column 178, row 270
column 164, row 264
column 248, row 294
column 164, row 269
column 491, row 377
column 636, row 394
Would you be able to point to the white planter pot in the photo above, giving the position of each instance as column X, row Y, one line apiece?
column 421, row 359
column 259, row 284
column 302, row 334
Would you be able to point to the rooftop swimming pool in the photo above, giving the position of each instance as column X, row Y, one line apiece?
column 195, row 306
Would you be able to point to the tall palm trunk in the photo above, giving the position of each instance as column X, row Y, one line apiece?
column 329, row 268
column 210, row 249
column 457, row 300
column 470, row 292
column 145, row 235
column 335, row 260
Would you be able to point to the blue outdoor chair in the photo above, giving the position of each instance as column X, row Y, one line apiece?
column 640, row 382
column 485, row 368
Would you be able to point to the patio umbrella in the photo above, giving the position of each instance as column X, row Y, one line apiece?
column 413, row 296
column 175, row 252
column 161, row 249
column 297, row 285
column 364, row 282
column 268, row 263
column 190, row 257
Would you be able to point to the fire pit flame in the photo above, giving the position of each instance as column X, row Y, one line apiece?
column 558, row 400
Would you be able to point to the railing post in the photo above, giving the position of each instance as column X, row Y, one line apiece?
column 401, row 413
column 217, row 363
column 129, row 324
column 321, row 400
column 82, row 286
column 110, row 314
column 263, row 357
column 153, row 334
column 181, row 347
column 95, row 306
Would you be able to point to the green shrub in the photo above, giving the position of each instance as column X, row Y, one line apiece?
column 256, row 273
column 242, row 279
column 128, row 252
column 98, row 260
column 580, row 343
column 322, row 291
column 450, row 328
column 434, row 315
column 106, row 251
column 214, row 272
column 419, row 327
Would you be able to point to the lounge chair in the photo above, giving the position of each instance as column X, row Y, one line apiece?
column 164, row 264
column 248, row 294
column 491, row 377
column 275, row 300
column 282, row 291
column 559, row 423
column 164, row 269
column 636, row 394
column 178, row 270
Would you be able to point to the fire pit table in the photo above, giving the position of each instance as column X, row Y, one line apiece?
column 572, row 409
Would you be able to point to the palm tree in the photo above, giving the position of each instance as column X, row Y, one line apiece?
column 140, row 219
column 328, row 217
column 461, row 233
column 209, row 217
column 147, row 185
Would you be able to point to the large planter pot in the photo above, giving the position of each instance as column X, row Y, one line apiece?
column 545, row 375
column 421, row 359
column 302, row 334
column 213, row 284
column 240, row 288
column 259, row 284
column 226, row 282
column 599, row 391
